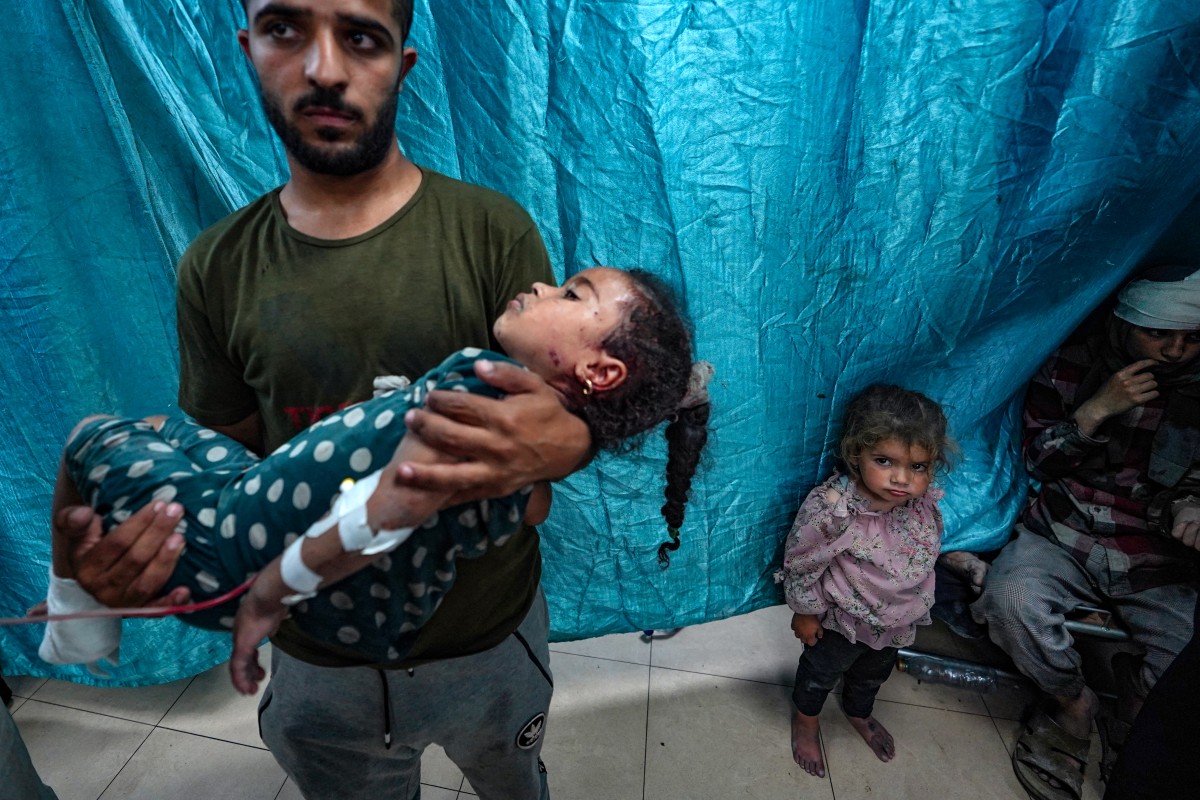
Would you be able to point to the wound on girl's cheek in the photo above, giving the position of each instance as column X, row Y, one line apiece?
column 555, row 358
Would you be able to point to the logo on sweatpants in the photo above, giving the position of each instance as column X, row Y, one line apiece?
column 532, row 731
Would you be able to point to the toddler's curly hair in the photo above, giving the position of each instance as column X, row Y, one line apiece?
column 884, row 411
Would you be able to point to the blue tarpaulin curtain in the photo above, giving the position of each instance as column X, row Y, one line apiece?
column 928, row 192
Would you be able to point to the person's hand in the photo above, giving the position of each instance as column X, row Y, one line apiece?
column 807, row 628
column 969, row 568
column 1186, row 525
column 1128, row 388
column 128, row 567
column 502, row 445
column 1125, row 389
column 257, row 618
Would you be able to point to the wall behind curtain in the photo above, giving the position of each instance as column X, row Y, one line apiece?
column 930, row 193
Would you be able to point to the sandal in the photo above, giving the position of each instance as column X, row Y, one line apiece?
column 1048, row 761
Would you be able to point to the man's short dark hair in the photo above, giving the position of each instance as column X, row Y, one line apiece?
column 402, row 12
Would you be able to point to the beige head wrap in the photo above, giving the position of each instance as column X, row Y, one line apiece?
column 1166, row 299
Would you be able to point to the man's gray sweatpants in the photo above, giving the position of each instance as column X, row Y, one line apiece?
column 1033, row 584
column 326, row 726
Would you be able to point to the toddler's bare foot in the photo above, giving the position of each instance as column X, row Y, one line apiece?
column 969, row 567
column 875, row 735
column 806, row 744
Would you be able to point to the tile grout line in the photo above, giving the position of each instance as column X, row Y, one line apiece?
column 32, row 693
column 173, row 730
column 90, row 711
column 175, row 702
column 646, row 743
column 601, row 658
column 137, row 749
column 110, row 714
column 1000, row 733
column 262, row 749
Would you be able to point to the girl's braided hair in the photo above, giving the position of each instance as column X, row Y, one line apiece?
column 883, row 412
column 656, row 345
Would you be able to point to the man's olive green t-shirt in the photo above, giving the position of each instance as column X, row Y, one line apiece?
column 295, row 327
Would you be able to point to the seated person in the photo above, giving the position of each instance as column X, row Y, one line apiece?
column 610, row 342
column 1112, row 431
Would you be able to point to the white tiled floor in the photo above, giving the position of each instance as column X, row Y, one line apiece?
column 696, row 715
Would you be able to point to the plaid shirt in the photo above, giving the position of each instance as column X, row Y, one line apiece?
column 1096, row 499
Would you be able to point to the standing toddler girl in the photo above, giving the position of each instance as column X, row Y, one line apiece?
column 858, row 565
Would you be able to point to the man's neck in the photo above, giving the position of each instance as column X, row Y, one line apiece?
column 339, row 207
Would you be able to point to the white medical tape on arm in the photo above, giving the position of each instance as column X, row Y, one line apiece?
column 296, row 574
column 351, row 512
column 355, row 534
column 388, row 540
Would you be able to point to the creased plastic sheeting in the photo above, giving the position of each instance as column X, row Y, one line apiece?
column 929, row 193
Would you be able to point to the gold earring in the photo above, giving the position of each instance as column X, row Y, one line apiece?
column 587, row 387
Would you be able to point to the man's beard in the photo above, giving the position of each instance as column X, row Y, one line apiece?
column 367, row 152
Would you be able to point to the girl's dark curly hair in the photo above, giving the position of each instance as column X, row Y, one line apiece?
column 656, row 346
column 891, row 412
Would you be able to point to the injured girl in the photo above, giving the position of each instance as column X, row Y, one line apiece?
column 323, row 526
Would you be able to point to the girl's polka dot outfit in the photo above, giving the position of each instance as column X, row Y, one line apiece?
column 241, row 512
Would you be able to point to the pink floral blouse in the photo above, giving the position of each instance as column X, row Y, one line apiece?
column 869, row 574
